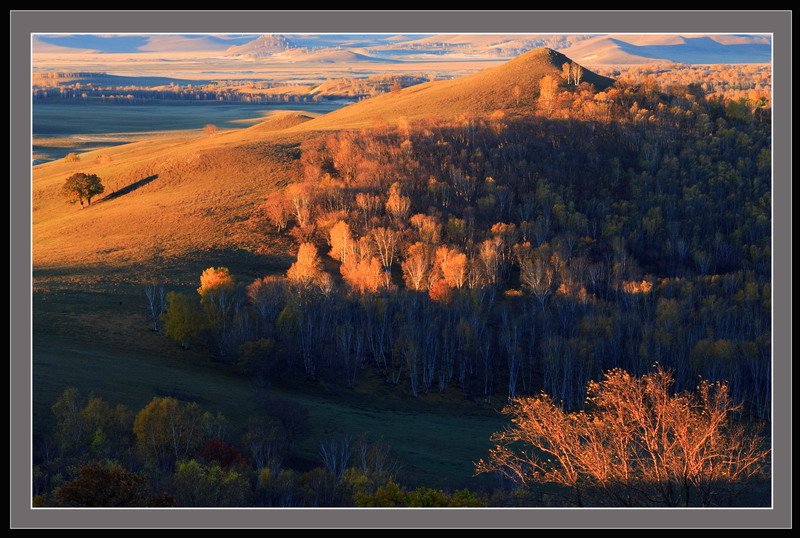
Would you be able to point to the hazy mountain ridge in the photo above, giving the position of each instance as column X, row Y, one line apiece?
column 695, row 49
column 265, row 45
column 585, row 48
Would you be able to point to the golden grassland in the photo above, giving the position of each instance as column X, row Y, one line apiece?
column 511, row 87
column 166, row 198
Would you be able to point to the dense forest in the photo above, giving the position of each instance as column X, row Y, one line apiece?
column 499, row 256
column 621, row 230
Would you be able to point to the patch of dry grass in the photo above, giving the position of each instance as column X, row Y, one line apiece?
column 165, row 200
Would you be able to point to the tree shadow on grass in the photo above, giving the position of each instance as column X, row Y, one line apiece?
column 129, row 188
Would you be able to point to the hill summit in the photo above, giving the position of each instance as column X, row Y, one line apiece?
column 511, row 87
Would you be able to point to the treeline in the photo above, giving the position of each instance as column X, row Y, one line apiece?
column 359, row 88
column 730, row 81
column 173, row 453
column 132, row 96
column 228, row 91
column 58, row 75
column 506, row 256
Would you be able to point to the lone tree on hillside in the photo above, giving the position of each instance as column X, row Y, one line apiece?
column 637, row 444
column 80, row 187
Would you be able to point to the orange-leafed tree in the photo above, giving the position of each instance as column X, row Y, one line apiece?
column 341, row 241
column 637, row 444
column 453, row 266
column 386, row 241
column 549, row 93
column 418, row 265
column 278, row 209
column 301, row 199
column 215, row 279
column 397, row 205
column 307, row 270
column 428, row 228
column 365, row 275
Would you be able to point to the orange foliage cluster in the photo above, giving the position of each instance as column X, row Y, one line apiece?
column 453, row 266
column 440, row 291
column 365, row 275
column 730, row 81
column 638, row 444
column 215, row 278
column 637, row 287
column 308, row 265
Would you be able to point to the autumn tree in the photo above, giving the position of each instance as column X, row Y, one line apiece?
column 266, row 442
column 385, row 241
column 428, row 228
column 307, row 270
column 80, row 187
column 216, row 290
column 453, row 266
column 278, row 208
column 300, row 197
column 366, row 275
column 223, row 303
column 572, row 72
column 369, row 206
column 167, row 431
column 103, row 486
column 548, row 93
column 182, row 318
column 91, row 427
column 341, row 241
column 637, row 444
column 418, row 265
column 211, row 485
column 397, row 205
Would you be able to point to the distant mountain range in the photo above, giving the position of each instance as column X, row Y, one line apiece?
column 691, row 49
column 586, row 49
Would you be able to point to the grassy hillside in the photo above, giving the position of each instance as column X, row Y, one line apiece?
column 512, row 87
column 165, row 200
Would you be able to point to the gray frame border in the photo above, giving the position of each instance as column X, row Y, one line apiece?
column 23, row 23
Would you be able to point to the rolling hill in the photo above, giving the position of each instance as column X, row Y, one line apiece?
column 327, row 56
column 478, row 94
column 183, row 198
column 167, row 201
